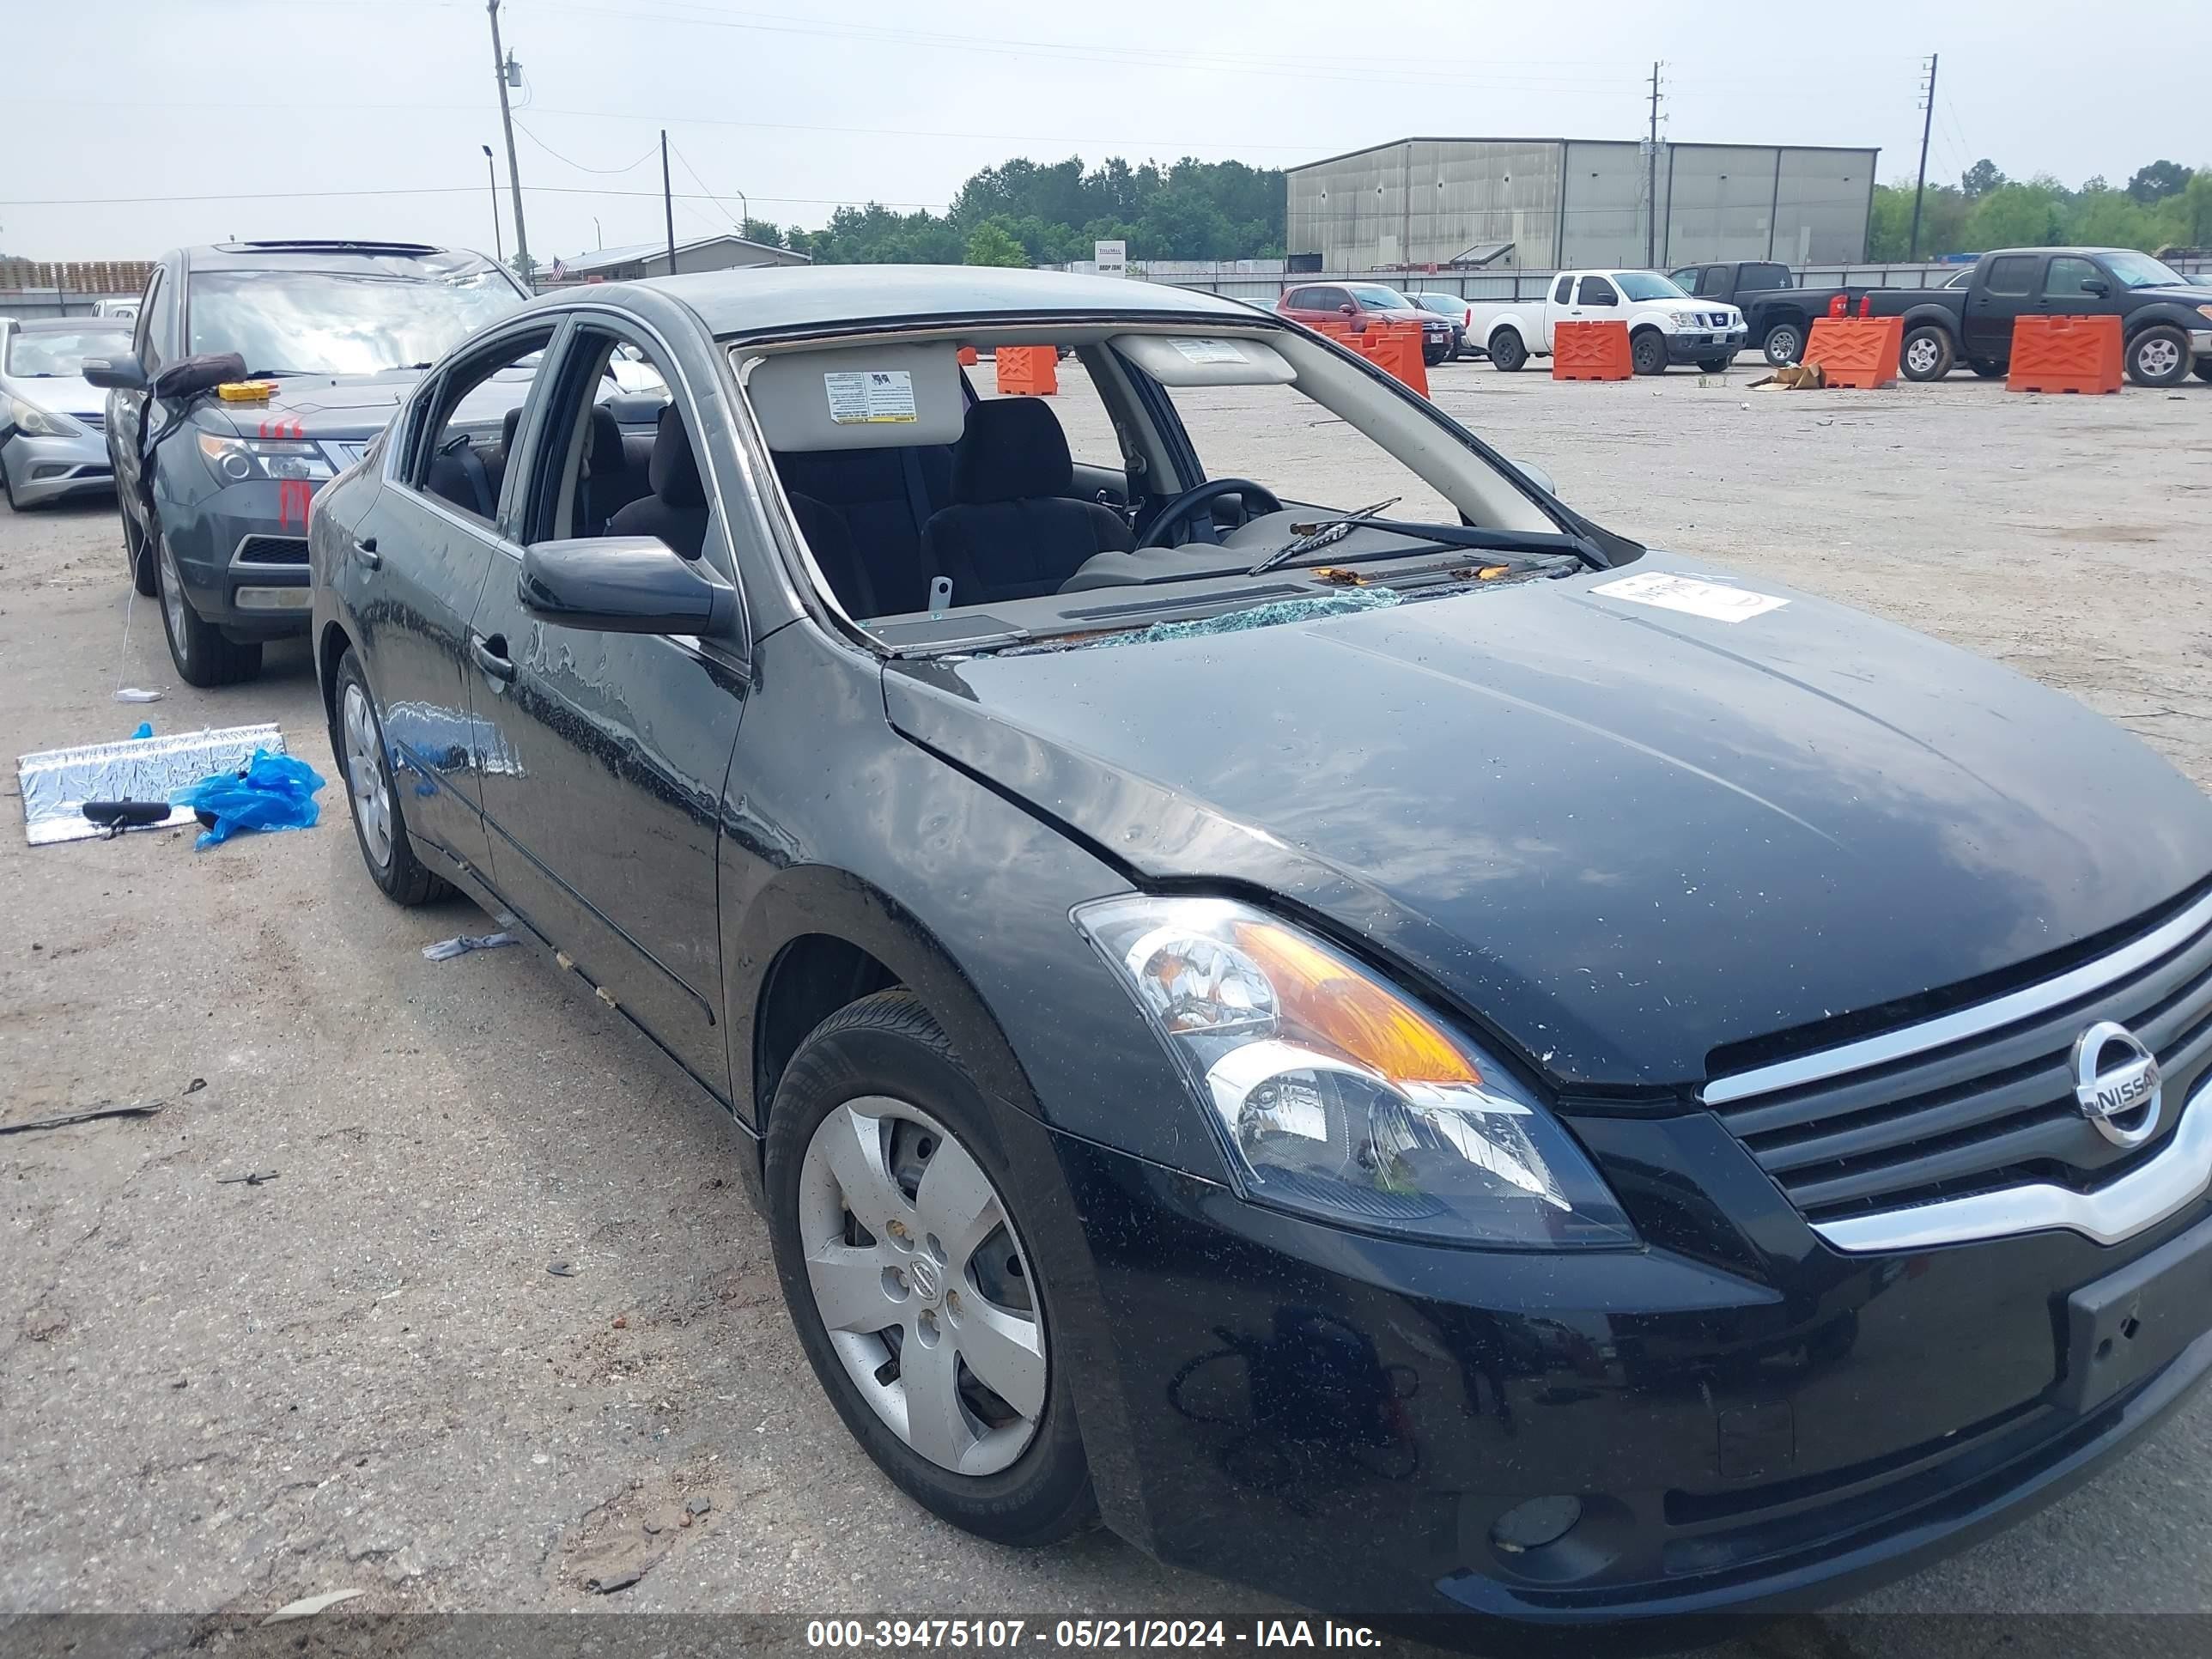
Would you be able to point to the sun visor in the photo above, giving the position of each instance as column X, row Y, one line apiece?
column 1206, row 359
column 885, row 397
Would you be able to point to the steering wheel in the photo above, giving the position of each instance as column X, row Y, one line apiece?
column 1186, row 504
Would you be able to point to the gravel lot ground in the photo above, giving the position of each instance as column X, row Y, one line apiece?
column 223, row 1396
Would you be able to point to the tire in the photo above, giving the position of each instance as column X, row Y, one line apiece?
column 1430, row 359
column 204, row 655
column 1647, row 352
column 2159, row 355
column 357, row 740
column 8, row 490
column 1931, row 347
column 1784, row 344
column 875, row 1098
column 1507, row 352
column 1987, row 369
column 145, row 575
column 1715, row 365
column 2202, row 370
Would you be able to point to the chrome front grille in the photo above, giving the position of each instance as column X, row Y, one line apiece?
column 1980, row 1101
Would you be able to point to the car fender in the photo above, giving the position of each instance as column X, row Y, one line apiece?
column 1942, row 317
column 2171, row 313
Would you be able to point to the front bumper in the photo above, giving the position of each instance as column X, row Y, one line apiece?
column 50, row 469
column 1344, row 1419
column 242, row 552
column 1692, row 348
column 2200, row 341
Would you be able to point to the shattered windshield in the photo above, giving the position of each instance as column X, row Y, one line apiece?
column 324, row 322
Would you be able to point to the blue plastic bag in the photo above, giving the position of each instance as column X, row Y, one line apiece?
column 275, row 792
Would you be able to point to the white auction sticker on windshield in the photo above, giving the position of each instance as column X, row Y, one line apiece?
column 1209, row 351
column 1712, row 600
column 866, row 397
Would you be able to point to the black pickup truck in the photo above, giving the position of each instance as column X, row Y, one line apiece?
column 2166, row 324
column 1777, row 315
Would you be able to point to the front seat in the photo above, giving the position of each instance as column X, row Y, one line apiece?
column 609, row 481
column 676, row 510
column 1014, row 531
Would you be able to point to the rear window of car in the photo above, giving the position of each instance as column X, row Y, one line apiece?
column 2014, row 273
column 1755, row 277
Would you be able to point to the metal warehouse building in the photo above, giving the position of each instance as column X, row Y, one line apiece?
column 1563, row 203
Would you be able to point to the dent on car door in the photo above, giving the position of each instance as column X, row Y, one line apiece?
column 437, row 532
column 614, row 747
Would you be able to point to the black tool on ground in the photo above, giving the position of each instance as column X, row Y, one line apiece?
column 117, row 816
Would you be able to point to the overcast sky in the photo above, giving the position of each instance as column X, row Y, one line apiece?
column 254, row 118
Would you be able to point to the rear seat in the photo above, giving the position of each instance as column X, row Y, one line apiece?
column 882, row 497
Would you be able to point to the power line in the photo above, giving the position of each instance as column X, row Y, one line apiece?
column 579, row 165
column 425, row 190
column 745, row 210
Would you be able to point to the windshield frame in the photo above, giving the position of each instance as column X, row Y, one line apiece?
column 477, row 278
column 1669, row 291
column 96, row 326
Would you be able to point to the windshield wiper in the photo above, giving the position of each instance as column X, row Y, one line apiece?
column 272, row 374
column 1335, row 529
column 1450, row 535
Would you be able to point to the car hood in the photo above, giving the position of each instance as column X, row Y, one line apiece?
column 2184, row 295
column 320, row 406
column 64, row 394
column 1617, row 836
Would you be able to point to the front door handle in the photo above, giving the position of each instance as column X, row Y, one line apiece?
column 365, row 551
column 491, row 657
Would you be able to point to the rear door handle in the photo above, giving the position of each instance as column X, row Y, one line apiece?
column 491, row 657
column 365, row 551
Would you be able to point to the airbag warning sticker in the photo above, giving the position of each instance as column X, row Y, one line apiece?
column 864, row 397
column 1711, row 600
column 1209, row 351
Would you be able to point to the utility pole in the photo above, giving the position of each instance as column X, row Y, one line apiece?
column 1651, row 178
column 492, row 177
column 667, row 201
column 500, row 68
column 1927, row 121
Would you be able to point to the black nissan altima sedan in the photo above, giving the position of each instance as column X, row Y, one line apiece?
column 1287, row 990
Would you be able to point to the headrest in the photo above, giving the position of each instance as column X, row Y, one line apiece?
column 1012, row 448
column 673, row 471
column 508, row 424
column 605, row 458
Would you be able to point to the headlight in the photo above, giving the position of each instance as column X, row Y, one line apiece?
column 35, row 422
column 2205, row 312
column 1336, row 1096
column 1683, row 319
column 237, row 460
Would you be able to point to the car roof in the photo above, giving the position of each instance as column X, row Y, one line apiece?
column 361, row 259
column 786, row 299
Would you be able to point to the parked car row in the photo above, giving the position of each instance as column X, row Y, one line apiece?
column 51, row 417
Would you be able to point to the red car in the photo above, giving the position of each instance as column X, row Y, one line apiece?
column 1363, row 303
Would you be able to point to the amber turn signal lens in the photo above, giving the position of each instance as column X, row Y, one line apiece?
column 1327, row 1000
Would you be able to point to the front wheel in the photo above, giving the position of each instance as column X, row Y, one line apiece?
column 920, row 1303
column 204, row 655
column 1507, row 352
column 1926, row 354
column 1784, row 344
column 2159, row 355
column 1986, row 368
column 1647, row 352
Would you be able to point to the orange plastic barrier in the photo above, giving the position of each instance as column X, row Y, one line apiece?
column 967, row 355
column 1028, row 371
column 1396, row 348
column 1591, row 351
column 1860, row 352
column 2064, row 354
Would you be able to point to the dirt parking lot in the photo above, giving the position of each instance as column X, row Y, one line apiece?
column 222, row 1396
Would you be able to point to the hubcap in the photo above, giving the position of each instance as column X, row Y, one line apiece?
column 372, row 805
column 1920, row 357
column 922, row 1285
column 173, row 599
column 2158, row 357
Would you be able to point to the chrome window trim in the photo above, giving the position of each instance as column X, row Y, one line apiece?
column 2167, row 1184
column 1965, row 1022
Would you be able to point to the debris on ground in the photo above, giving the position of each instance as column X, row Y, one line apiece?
column 446, row 949
column 255, row 1178
column 56, row 783
column 621, row 1579
column 145, row 730
column 269, row 791
column 308, row 1606
column 146, row 1108
column 698, row 1506
column 1793, row 377
column 136, row 694
column 561, row 1270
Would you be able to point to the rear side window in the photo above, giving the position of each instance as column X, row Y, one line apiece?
column 1755, row 278
column 2013, row 274
column 1559, row 290
column 1298, row 298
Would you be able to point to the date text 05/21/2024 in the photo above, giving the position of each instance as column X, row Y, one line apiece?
column 1005, row 1634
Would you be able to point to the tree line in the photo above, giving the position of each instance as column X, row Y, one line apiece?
column 1023, row 212
column 2163, row 206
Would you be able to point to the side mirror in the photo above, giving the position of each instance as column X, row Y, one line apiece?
column 1602, row 299
column 2098, row 286
column 190, row 376
column 1348, row 311
column 623, row 585
column 1536, row 475
column 115, row 374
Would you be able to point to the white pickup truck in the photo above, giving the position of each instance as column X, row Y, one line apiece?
column 1665, row 326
